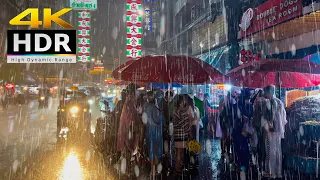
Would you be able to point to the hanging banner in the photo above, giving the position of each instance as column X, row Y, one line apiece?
column 84, row 36
column 134, row 29
column 148, row 19
column 84, row 4
column 269, row 14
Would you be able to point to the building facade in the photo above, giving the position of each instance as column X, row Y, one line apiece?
column 203, row 29
column 282, row 29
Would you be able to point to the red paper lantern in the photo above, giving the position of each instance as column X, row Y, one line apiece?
column 256, row 58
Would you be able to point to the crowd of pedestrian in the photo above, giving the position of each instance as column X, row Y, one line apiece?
column 253, row 124
column 161, row 125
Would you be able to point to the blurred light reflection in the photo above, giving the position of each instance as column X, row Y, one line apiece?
column 72, row 168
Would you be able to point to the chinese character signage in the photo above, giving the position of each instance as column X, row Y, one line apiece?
column 134, row 29
column 83, row 4
column 148, row 19
column 84, row 36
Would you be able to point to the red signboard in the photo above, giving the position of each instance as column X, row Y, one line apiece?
column 269, row 14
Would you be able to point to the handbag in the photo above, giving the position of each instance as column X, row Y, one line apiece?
column 270, row 118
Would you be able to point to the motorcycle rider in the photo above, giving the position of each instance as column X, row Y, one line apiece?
column 44, row 93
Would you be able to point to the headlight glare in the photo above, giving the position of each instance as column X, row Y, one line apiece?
column 74, row 110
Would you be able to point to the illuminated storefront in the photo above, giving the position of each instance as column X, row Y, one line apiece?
column 283, row 29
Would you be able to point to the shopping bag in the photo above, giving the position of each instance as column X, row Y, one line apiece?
column 218, row 130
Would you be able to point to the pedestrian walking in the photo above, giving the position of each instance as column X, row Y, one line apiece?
column 274, row 121
column 181, row 128
column 153, row 130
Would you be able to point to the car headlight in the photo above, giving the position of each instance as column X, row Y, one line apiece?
column 74, row 110
column 41, row 98
column 90, row 101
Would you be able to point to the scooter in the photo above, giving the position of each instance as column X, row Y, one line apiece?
column 43, row 101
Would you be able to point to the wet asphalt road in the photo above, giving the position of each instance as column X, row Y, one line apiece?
column 28, row 145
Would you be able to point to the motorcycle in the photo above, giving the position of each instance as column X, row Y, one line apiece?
column 75, row 117
column 43, row 101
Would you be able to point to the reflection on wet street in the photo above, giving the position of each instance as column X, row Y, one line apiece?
column 29, row 148
column 72, row 168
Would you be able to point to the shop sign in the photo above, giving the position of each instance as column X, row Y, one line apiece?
column 269, row 14
column 84, row 36
column 83, row 4
column 134, row 29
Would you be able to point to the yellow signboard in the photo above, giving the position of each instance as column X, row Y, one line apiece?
column 99, row 72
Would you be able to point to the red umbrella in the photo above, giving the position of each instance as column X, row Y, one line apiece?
column 117, row 71
column 282, row 73
column 276, row 65
column 279, row 79
column 168, row 69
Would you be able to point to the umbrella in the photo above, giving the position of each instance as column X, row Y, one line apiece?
column 168, row 69
column 280, row 79
column 276, row 65
column 314, row 58
column 74, row 88
column 117, row 72
column 282, row 73
column 164, row 85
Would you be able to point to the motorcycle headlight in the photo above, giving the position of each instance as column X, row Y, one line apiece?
column 41, row 98
column 90, row 101
column 74, row 110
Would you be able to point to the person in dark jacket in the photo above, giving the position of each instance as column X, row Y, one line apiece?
column 164, row 107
